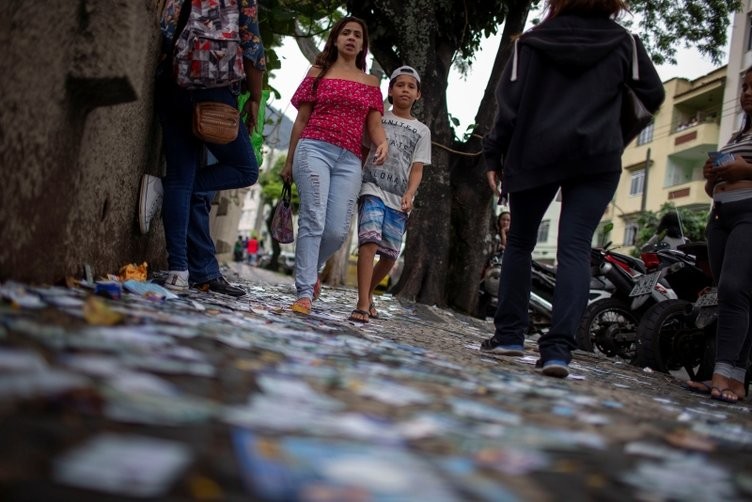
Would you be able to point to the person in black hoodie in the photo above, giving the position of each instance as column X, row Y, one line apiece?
column 557, row 128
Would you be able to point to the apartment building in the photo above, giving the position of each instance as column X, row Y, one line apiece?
column 664, row 164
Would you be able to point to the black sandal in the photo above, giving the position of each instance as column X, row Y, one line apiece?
column 357, row 312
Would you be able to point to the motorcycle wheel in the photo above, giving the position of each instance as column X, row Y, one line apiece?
column 610, row 326
column 669, row 339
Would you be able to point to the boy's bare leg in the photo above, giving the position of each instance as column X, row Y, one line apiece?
column 366, row 254
column 380, row 270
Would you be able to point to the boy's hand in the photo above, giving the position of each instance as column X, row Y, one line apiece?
column 407, row 202
column 380, row 156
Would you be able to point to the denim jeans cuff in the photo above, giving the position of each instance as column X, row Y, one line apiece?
column 738, row 374
column 724, row 369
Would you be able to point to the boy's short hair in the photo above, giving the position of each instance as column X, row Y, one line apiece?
column 403, row 70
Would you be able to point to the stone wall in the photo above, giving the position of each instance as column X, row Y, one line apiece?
column 77, row 131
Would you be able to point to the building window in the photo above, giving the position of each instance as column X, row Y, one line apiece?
column 637, row 183
column 749, row 32
column 543, row 231
column 646, row 135
column 630, row 234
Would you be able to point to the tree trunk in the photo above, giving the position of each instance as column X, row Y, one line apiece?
column 472, row 205
column 408, row 32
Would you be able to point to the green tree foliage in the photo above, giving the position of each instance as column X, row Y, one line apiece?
column 280, row 18
column 665, row 25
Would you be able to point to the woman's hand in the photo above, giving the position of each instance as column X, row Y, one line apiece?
column 380, row 156
column 286, row 173
column 737, row 170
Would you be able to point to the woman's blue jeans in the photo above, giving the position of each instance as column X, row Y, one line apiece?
column 729, row 234
column 583, row 201
column 328, row 179
column 236, row 168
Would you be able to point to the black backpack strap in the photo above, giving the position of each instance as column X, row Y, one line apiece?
column 185, row 11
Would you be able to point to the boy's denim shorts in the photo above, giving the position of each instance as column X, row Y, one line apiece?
column 381, row 225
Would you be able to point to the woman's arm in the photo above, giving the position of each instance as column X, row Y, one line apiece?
column 304, row 113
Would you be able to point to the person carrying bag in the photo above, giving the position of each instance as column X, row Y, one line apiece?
column 210, row 51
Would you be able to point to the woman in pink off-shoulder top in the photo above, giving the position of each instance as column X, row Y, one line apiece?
column 336, row 101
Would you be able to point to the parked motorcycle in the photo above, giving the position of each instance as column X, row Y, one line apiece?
column 543, row 282
column 610, row 324
column 680, row 333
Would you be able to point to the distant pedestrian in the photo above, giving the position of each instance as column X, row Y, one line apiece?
column 503, row 223
column 336, row 101
column 188, row 190
column 239, row 249
column 252, row 249
column 561, row 89
column 386, row 197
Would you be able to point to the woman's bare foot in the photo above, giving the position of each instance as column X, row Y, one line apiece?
column 726, row 389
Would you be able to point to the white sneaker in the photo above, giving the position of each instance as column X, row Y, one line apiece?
column 177, row 280
column 150, row 200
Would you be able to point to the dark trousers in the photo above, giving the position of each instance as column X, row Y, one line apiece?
column 184, row 183
column 729, row 234
column 583, row 201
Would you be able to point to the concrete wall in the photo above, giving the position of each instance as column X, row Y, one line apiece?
column 77, row 131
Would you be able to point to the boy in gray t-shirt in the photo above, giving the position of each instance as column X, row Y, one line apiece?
column 386, row 197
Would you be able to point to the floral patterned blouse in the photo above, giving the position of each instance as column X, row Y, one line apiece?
column 339, row 111
column 250, row 36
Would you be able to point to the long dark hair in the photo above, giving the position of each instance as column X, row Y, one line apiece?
column 326, row 58
column 747, row 122
column 609, row 8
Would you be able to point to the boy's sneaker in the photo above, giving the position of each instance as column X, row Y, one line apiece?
column 177, row 280
column 554, row 368
column 149, row 200
column 492, row 345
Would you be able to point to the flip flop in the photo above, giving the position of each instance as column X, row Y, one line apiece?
column 372, row 312
column 357, row 312
column 698, row 387
column 724, row 395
